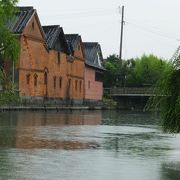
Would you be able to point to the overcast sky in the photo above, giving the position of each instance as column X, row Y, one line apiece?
column 152, row 26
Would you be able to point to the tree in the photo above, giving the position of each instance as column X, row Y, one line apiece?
column 167, row 99
column 115, row 71
column 9, row 46
column 142, row 71
column 146, row 70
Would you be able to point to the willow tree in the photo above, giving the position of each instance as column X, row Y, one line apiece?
column 167, row 97
column 9, row 46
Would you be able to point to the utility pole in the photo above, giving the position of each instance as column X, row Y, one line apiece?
column 121, row 36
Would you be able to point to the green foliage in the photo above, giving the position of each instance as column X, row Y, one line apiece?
column 111, row 74
column 9, row 98
column 167, row 99
column 5, row 81
column 9, row 46
column 8, row 95
column 145, row 70
column 115, row 71
column 109, row 103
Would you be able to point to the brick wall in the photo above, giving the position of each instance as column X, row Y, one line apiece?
column 45, row 73
column 93, row 89
column 76, row 74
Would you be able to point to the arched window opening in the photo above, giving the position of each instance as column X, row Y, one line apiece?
column 35, row 80
column 54, row 79
column 45, row 78
column 76, row 85
column 28, row 78
column 58, row 58
column 80, row 86
column 33, row 26
column 69, row 83
column 60, row 82
column 89, row 84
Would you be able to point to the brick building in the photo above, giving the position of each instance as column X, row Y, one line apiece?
column 76, row 67
column 56, row 75
column 52, row 65
column 34, row 54
column 93, row 71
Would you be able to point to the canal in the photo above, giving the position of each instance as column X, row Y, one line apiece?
column 86, row 145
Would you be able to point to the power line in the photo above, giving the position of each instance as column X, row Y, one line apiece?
column 152, row 31
column 106, row 12
column 82, row 14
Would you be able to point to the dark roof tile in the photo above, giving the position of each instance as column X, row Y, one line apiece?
column 93, row 54
column 22, row 17
column 73, row 40
column 51, row 33
column 55, row 35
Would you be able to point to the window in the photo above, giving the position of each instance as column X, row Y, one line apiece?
column 89, row 84
column 28, row 78
column 58, row 58
column 80, row 85
column 35, row 79
column 45, row 78
column 60, row 82
column 54, row 80
column 76, row 85
column 69, row 83
column 99, row 76
column 33, row 26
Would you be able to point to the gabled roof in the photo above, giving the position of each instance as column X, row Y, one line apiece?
column 93, row 55
column 73, row 40
column 23, row 16
column 51, row 33
column 55, row 34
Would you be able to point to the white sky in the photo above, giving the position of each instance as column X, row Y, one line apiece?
column 152, row 26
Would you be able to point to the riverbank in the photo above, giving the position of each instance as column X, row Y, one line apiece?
column 48, row 108
column 54, row 108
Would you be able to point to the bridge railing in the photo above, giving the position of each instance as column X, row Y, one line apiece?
column 144, row 91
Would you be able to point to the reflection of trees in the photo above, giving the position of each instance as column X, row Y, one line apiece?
column 127, row 117
column 7, row 129
column 5, row 165
column 7, row 140
column 170, row 171
column 141, row 144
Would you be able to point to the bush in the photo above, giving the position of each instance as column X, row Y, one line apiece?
column 167, row 100
column 9, row 98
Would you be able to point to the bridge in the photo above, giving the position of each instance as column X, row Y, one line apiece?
column 131, row 97
column 132, row 91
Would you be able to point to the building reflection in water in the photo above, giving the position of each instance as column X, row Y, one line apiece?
column 59, row 118
column 51, row 123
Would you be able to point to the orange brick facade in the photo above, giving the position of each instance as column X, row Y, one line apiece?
column 93, row 89
column 52, row 65
column 48, row 73
column 75, row 74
